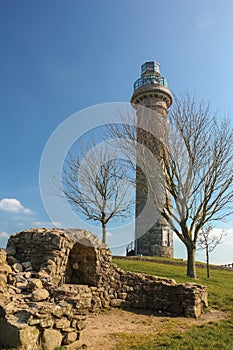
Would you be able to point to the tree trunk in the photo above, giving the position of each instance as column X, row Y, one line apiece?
column 191, row 264
column 207, row 262
column 104, row 233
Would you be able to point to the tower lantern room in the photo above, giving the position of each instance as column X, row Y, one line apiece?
column 151, row 89
column 150, row 68
column 150, row 74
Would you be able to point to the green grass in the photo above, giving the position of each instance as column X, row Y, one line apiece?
column 161, row 259
column 211, row 336
column 158, row 258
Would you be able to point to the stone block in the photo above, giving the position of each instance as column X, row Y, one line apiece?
column 57, row 311
column 20, row 278
column 35, row 283
column 51, row 339
column 40, row 294
column 21, row 285
column 27, row 275
column 18, row 336
column 78, row 324
column 46, row 323
column 83, row 303
column 2, row 256
column 3, row 280
column 106, row 303
column 33, row 321
column 10, row 250
column 116, row 302
column 17, row 267
column 11, row 260
column 62, row 323
column 122, row 295
column 70, row 338
column 5, row 269
column 74, row 346
column 29, row 337
column 26, row 264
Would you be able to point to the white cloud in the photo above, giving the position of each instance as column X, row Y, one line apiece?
column 108, row 234
column 228, row 234
column 4, row 235
column 13, row 205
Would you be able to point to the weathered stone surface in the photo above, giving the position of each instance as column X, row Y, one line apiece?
column 62, row 323
column 34, row 321
column 116, row 302
column 3, row 280
column 70, row 338
column 27, row 275
column 18, row 335
column 29, row 337
column 21, row 285
column 35, row 283
column 10, row 251
column 26, row 264
column 17, row 267
column 11, row 260
column 106, row 303
column 12, row 289
column 78, row 324
column 2, row 256
column 51, row 339
column 20, row 278
column 74, row 346
column 40, row 294
column 58, row 311
column 5, row 269
column 47, row 323
column 122, row 295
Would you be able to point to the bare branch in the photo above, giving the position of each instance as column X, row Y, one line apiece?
column 97, row 184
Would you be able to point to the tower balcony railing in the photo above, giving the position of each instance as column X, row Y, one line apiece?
column 151, row 79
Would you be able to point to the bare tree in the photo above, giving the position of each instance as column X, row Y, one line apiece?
column 208, row 241
column 96, row 183
column 193, row 168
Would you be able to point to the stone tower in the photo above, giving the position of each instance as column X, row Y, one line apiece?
column 151, row 99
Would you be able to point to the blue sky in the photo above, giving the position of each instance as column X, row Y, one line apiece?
column 59, row 57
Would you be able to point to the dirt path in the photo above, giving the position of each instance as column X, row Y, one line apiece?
column 102, row 329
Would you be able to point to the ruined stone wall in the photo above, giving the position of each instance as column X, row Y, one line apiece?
column 43, row 250
column 62, row 256
column 161, row 294
column 54, row 278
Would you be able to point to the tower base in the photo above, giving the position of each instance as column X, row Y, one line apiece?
column 158, row 241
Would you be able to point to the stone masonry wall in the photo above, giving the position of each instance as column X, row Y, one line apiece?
column 54, row 278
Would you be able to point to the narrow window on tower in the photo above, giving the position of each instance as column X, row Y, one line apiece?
column 165, row 237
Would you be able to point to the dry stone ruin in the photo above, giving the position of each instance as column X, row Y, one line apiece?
column 50, row 280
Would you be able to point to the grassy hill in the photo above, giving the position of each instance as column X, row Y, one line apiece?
column 211, row 336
